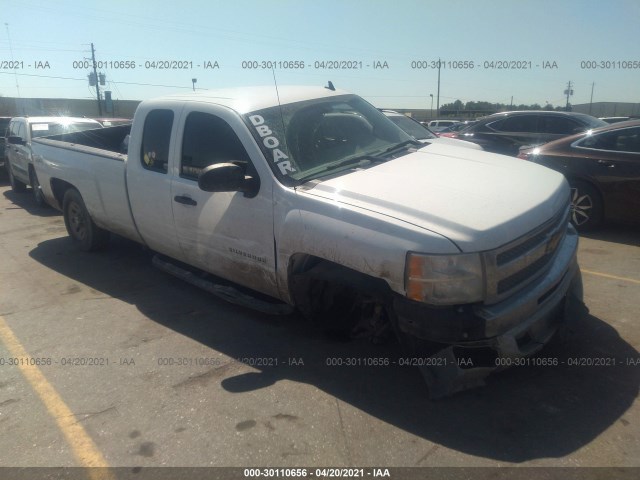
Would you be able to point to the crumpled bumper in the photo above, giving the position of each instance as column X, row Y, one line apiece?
column 474, row 341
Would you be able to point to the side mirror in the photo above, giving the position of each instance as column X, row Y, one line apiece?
column 16, row 141
column 228, row 177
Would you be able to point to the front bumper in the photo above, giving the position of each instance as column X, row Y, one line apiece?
column 473, row 341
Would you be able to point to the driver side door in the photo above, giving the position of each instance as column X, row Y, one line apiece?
column 224, row 233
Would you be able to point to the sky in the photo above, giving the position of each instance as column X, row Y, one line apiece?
column 390, row 46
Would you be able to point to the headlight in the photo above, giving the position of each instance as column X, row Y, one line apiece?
column 444, row 279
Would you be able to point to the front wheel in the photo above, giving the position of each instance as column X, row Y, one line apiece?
column 38, row 196
column 586, row 206
column 80, row 226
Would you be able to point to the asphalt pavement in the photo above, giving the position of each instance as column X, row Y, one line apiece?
column 106, row 361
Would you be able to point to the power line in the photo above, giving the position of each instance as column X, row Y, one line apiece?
column 84, row 80
column 11, row 50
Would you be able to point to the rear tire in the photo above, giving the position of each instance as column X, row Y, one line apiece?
column 586, row 206
column 16, row 185
column 38, row 196
column 80, row 226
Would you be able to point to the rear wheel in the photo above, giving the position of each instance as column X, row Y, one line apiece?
column 586, row 206
column 37, row 189
column 16, row 185
column 81, row 228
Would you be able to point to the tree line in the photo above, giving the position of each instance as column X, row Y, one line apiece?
column 487, row 106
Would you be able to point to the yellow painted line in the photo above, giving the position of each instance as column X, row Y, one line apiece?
column 614, row 277
column 84, row 450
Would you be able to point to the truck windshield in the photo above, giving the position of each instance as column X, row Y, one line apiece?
column 309, row 139
column 412, row 127
column 45, row 129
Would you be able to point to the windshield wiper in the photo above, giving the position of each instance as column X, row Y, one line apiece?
column 360, row 160
column 403, row 144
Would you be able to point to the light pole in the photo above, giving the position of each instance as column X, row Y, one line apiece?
column 193, row 83
column 431, row 112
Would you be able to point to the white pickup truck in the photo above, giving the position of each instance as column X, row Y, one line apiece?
column 21, row 132
column 310, row 198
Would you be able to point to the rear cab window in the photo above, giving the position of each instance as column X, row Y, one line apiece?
column 45, row 129
column 156, row 136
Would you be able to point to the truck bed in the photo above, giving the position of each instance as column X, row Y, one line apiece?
column 88, row 161
column 111, row 138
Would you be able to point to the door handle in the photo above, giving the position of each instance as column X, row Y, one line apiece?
column 606, row 163
column 185, row 200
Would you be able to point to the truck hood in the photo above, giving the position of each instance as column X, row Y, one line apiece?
column 454, row 142
column 476, row 199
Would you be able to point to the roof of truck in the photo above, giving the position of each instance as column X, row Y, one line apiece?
column 249, row 99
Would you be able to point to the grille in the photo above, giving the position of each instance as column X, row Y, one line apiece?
column 513, row 266
column 516, row 279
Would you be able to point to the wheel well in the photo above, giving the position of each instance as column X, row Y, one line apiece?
column 304, row 265
column 59, row 188
column 338, row 297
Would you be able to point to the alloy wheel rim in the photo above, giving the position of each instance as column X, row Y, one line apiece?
column 581, row 207
column 77, row 221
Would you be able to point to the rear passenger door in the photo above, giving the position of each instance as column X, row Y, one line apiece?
column 149, row 178
column 224, row 233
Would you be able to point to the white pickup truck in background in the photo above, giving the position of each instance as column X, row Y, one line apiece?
column 312, row 198
column 21, row 132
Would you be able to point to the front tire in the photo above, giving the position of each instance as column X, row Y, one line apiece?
column 80, row 226
column 38, row 196
column 586, row 206
column 16, row 185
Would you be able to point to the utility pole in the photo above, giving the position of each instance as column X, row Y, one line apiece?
column 591, row 101
column 438, row 102
column 568, row 92
column 511, row 105
column 431, row 111
column 95, row 73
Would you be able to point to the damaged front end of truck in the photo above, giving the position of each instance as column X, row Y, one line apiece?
column 532, row 287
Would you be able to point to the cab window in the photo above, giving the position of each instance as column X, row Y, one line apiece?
column 156, row 138
column 17, row 130
column 208, row 140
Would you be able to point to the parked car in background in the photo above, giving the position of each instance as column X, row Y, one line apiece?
column 4, row 124
column 422, row 133
column 437, row 125
column 112, row 122
column 615, row 119
column 507, row 132
column 19, row 156
column 603, row 170
column 455, row 128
